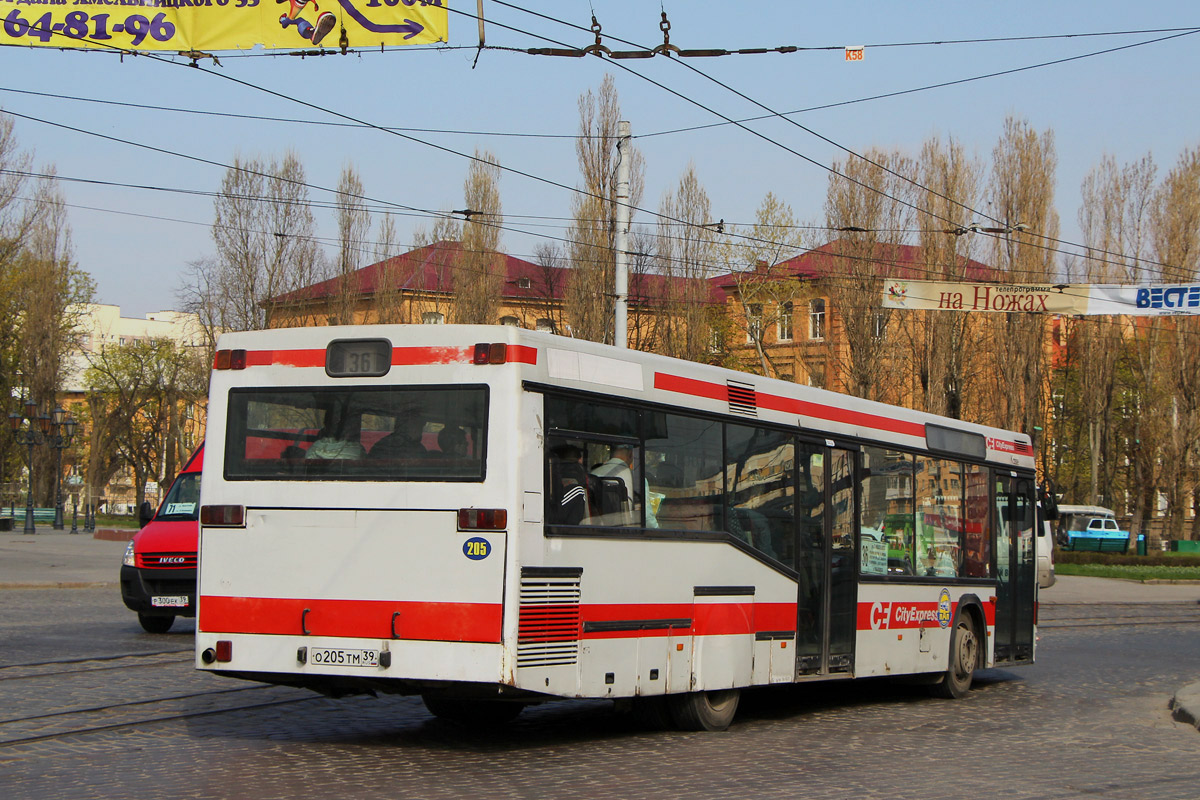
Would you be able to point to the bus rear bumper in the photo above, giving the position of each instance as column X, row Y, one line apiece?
column 324, row 662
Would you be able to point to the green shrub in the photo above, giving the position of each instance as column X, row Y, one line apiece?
column 1157, row 559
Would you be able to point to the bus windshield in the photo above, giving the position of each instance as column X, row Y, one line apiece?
column 182, row 503
column 419, row 433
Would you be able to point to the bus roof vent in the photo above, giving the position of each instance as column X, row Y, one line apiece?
column 742, row 398
column 548, row 622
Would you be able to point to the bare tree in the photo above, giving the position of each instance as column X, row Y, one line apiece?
column 1175, row 222
column 941, row 344
column 1114, row 218
column 864, row 205
column 1021, row 193
column 138, row 397
column 52, row 292
column 263, row 230
column 687, row 251
column 479, row 271
column 767, row 295
column 353, row 224
column 589, row 292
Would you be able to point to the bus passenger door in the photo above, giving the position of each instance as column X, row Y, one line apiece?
column 825, row 559
column 1016, row 568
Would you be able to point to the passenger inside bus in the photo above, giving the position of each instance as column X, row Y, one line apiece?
column 569, row 486
column 404, row 441
column 452, row 442
column 338, row 438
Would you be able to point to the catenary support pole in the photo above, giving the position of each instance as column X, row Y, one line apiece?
column 621, row 236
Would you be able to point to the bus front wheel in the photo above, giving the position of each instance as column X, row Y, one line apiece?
column 704, row 711
column 964, row 657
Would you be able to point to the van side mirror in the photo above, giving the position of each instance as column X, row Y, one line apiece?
column 145, row 513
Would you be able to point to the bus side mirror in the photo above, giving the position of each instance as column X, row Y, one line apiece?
column 145, row 513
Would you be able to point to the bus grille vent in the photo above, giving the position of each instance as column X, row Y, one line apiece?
column 742, row 398
column 548, row 627
column 1022, row 447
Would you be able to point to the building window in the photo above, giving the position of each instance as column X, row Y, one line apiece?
column 511, row 322
column 546, row 325
column 816, row 373
column 879, row 327
column 523, row 283
column 433, row 318
column 754, row 323
column 816, row 319
column 785, row 322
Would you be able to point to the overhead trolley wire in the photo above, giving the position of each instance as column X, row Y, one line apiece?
column 808, row 159
column 529, row 175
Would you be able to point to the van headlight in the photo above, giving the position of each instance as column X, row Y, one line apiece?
column 129, row 559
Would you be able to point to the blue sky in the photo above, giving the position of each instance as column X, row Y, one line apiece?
column 137, row 243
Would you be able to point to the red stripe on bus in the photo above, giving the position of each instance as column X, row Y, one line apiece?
column 401, row 356
column 789, row 405
column 677, row 383
column 522, row 354
column 285, row 358
column 416, row 356
column 368, row 619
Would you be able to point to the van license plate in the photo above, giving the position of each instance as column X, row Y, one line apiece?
column 170, row 601
column 338, row 657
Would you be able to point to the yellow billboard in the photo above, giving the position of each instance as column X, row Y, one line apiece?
column 211, row 25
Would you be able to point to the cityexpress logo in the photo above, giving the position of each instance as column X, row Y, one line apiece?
column 885, row 616
column 1172, row 297
column 1001, row 446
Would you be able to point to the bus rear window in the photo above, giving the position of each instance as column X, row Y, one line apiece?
column 418, row 433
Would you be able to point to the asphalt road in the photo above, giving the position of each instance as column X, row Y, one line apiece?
column 95, row 708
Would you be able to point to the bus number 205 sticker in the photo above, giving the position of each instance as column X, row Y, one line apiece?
column 477, row 549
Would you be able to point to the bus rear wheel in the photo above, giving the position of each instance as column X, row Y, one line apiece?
column 471, row 711
column 964, row 657
column 704, row 711
column 156, row 623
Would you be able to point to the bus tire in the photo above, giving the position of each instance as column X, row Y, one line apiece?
column 704, row 711
column 471, row 711
column 156, row 623
column 964, row 658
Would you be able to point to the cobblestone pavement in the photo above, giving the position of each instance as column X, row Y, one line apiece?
column 1090, row 719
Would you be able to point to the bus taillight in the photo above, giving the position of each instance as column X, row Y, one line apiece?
column 223, row 516
column 496, row 353
column 482, row 519
column 230, row 359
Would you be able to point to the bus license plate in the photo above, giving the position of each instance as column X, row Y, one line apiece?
column 338, row 657
column 170, row 601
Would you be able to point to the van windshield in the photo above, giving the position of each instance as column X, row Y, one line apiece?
column 410, row 433
column 182, row 502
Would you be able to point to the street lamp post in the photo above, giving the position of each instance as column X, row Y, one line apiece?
column 32, row 434
column 64, row 432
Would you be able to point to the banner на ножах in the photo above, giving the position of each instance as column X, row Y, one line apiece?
column 1078, row 299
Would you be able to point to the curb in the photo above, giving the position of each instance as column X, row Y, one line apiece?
column 1185, row 705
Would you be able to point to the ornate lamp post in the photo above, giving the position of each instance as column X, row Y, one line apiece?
column 32, row 434
column 64, row 431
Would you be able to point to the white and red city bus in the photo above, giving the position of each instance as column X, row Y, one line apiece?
column 491, row 517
